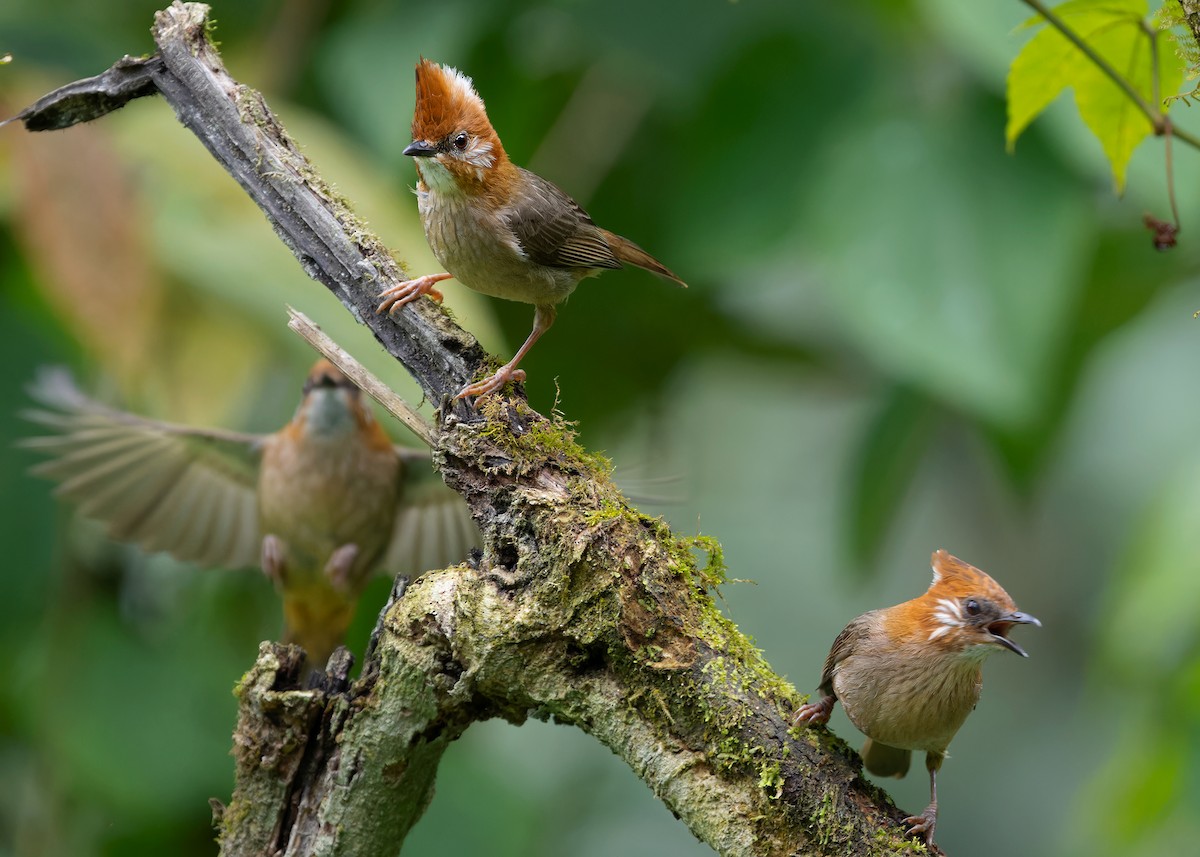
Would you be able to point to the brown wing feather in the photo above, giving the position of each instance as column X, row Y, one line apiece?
column 843, row 646
column 554, row 230
column 189, row 492
column 433, row 526
column 631, row 254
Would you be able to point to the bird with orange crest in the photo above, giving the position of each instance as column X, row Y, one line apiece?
column 497, row 228
column 908, row 676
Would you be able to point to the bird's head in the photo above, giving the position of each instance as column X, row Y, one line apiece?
column 332, row 405
column 966, row 611
column 454, row 145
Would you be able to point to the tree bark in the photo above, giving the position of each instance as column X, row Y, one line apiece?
column 580, row 609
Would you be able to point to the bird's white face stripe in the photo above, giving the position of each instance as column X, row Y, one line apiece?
column 950, row 607
column 479, row 154
column 949, row 614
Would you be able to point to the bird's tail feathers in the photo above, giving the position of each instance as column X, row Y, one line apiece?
column 317, row 625
column 631, row 254
column 884, row 760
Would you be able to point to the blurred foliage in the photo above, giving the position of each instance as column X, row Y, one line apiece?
column 897, row 338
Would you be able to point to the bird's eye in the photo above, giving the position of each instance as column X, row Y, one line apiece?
column 972, row 607
column 460, row 142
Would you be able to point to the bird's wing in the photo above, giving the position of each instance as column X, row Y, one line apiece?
column 553, row 230
column 842, row 647
column 433, row 527
column 189, row 492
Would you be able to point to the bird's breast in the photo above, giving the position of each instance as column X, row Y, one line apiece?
column 320, row 494
column 480, row 251
column 907, row 697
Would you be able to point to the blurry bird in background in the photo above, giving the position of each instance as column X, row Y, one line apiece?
column 908, row 676
column 497, row 228
column 319, row 505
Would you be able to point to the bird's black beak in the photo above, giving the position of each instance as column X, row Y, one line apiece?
column 323, row 380
column 1000, row 628
column 420, row 149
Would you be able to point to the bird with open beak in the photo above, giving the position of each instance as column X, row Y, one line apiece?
column 908, row 676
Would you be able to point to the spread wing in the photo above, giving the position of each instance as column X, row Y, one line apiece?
column 189, row 492
column 553, row 230
column 433, row 527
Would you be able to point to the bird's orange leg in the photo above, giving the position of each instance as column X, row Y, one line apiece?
column 339, row 566
column 274, row 558
column 923, row 825
column 543, row 317
column 814, row 713
column 408, row 291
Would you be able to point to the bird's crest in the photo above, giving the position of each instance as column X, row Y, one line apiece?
column 446, row 102
column 953, row 578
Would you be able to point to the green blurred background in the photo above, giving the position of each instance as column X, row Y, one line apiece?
column 897, row 338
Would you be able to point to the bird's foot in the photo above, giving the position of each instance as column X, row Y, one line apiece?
column 492, row 382
column 922, row 825
column 339, row 566
column 814, row 713
column 274, row 558
column 408, row 291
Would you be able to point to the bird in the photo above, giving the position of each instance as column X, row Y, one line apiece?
column 497, row 228
column 318, row 505
column 908, row 676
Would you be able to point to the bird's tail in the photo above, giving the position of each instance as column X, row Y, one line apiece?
column 319, row 626
column 884, row 760
column 631, row 254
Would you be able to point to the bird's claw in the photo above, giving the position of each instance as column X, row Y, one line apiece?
column 408, row 291
column 814, row 713
column 339, row 566
column 492, row 383
column 923, row 825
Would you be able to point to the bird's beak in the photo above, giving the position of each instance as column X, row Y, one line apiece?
column 321, row 380
column 1000, row 628
column 420, row 149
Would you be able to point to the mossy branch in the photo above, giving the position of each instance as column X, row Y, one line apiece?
column 579, row 610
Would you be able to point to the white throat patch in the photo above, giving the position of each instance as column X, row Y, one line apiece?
column 436, row 177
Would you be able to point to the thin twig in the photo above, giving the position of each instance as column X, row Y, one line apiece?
column 1171, row 174
column 1168, row 125
column 360, row 375
column 1155, row 78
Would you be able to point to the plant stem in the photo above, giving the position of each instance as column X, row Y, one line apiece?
column 1156, row 117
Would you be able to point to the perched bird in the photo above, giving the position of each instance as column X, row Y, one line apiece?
column 497, row 228
column 319, row 505
column 909, row 675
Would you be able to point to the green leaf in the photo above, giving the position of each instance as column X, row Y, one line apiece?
column 1050, row 63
